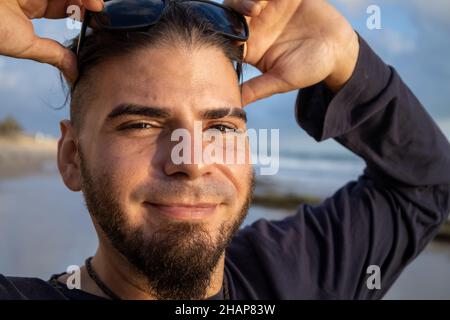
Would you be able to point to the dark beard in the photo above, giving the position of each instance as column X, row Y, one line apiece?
column 177, row 260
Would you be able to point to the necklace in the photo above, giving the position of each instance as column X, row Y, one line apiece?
column 94, row 276
column 106, row 290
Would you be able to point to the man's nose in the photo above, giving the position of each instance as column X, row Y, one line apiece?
column 186, row 156
column 191, row 171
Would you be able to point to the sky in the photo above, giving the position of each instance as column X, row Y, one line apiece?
column 414, row 38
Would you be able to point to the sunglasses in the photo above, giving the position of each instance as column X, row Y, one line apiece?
column 132, row 15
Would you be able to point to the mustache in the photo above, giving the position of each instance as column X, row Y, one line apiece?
column 174, row 191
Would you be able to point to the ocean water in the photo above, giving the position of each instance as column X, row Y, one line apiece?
column 44, row 228
column 307, row 167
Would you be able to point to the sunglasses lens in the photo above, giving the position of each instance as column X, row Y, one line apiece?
column 130, row 13
column 222, row 19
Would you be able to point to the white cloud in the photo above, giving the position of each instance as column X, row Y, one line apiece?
column 398, row 43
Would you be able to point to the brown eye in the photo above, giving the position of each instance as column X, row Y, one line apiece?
column 137, row 126
column 223, row 128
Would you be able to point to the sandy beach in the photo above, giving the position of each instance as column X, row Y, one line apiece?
column 30, row 188
column 23, row 154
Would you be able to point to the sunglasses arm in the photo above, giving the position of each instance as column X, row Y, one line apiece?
column 82, row 36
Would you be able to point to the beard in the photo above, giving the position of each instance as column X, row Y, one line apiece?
column 178, row 259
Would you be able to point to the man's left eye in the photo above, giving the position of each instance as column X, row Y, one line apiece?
column 223, row 128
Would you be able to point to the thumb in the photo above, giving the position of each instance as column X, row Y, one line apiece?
column 52, row 52
column 261, row 87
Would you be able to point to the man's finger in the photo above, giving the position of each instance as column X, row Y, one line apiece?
column 58, row 9
column 251, row 8
column 93, row 5
column 262, row 87
column 52, row 52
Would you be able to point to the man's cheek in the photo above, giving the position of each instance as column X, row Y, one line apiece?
column 238, row 174
column 120, row 162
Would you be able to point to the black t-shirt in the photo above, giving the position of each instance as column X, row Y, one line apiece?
column 384, row 218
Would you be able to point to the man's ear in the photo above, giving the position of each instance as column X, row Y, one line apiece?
column 68, row 156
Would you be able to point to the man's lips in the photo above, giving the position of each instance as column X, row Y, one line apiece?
column 184, row 211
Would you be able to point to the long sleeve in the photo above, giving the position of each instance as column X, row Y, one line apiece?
column 385, row 218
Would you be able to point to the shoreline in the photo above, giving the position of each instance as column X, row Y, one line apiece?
column 23, row 155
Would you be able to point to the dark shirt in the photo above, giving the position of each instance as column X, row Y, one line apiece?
column 385, row 218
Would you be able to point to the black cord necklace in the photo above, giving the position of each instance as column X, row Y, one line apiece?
column 106, row 290
column 94, row 276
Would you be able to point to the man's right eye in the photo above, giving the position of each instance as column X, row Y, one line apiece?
column 136, row 126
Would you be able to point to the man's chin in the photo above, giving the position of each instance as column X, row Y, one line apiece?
column 178, row 259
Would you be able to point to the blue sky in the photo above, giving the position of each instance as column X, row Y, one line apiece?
column 414, row 38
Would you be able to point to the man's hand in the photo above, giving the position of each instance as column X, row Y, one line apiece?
column 18, row 39
column 296, row 44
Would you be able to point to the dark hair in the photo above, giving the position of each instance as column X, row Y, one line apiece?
column 176, row 25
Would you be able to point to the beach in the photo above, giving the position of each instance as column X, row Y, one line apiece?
column 44, row 227
column 23, row 154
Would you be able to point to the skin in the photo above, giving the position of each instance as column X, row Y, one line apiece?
column 294, row 43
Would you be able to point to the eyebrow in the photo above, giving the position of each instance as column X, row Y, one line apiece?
column 220, row 113
column 138, row 110
column 162, row 113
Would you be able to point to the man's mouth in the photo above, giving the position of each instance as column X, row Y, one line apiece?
column 182, row 211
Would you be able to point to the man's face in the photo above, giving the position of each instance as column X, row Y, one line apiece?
column 139, row 196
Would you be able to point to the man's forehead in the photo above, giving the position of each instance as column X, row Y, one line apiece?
column 171, row 66
column 174, row 87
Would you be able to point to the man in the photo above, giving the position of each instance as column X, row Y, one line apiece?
column 168, row 230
